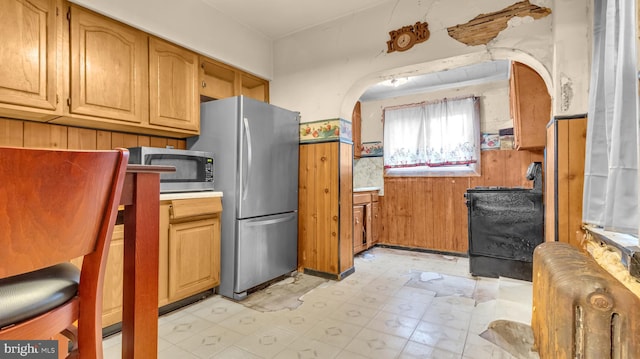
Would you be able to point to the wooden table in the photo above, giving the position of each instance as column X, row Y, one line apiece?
column 141, row 200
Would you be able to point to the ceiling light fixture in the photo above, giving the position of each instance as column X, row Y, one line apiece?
column 395, row 82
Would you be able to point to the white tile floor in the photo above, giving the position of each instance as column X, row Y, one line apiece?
column 397, row 304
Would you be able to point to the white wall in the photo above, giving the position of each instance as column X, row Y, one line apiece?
column 572, row 56
column 322, row 71
column 196, row 26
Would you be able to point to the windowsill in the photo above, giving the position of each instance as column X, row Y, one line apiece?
column 459, row 171
column 625, row 245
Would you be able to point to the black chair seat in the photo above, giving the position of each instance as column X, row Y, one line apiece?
column 28, row 295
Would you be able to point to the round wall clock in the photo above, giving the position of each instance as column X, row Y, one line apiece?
column 406, row 37
column 404, row 41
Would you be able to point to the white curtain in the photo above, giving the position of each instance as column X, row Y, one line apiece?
column 441, row 133
column 611, row 166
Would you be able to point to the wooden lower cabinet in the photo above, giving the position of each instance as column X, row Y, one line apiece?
column 325, row 209
column 189, row 255
column 369, row 233
column 564, row 172
column 113, row 277
column 193, row 245
column 376, row 222
column 359, row 235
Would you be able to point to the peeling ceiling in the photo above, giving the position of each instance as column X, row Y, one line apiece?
column 286, row 17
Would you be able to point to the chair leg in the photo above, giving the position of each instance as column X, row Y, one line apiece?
column 72, row 334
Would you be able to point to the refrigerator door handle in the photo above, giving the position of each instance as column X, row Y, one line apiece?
column 247, row 133
column 270, row 221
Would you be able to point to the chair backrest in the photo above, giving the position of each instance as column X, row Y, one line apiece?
column 57, row 205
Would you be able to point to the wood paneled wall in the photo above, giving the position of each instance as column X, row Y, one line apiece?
column 18, row 133
column 566, row 143
column 430, row 212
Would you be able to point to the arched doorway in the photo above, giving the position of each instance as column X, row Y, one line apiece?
column 429, row 212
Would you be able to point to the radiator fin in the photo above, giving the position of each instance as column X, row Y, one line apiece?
column 579, row 333
column 616, row 336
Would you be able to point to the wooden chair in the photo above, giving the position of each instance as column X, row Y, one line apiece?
column 56, row 205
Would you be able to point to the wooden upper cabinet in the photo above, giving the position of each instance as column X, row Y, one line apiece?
column 254, row 87
column 173, row 88
column 217, row 81
column 109, row 73
column 30, row 48
column 530, row 105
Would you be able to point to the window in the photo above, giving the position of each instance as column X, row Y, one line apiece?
column 440, row 138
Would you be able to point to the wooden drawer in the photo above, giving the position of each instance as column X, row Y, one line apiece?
column 193, row 207
column 361, row 198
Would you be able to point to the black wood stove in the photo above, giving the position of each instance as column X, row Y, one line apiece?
column 505, row 225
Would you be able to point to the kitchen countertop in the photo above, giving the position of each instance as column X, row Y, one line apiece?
column 187, row 195
column 366, row 189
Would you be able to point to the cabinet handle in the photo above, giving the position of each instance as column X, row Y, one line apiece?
column 204, row 84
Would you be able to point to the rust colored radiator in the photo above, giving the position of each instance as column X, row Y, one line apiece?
column 580, row 310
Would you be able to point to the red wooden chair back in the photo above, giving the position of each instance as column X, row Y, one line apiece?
column 57, row 205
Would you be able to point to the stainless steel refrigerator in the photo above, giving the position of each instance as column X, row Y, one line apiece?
column 255, row 151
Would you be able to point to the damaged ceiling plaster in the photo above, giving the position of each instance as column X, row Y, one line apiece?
column 485, row 27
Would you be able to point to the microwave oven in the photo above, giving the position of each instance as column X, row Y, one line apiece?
column 194, row 169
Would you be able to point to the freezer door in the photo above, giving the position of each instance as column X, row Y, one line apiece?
column 268, row 178
column 267, row 249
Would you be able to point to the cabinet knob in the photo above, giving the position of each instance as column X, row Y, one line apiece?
column 357, row 220
column 204, row 84
column 323, row 158
column 326, row 190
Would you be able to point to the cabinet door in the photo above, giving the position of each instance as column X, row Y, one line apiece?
column 113, row 279
column 28, row 76
column 376, row 223
column 163, row 254
column 194, row 249
column 359, row 237
column 109, row 76
column 173, row 86
column 530, row 107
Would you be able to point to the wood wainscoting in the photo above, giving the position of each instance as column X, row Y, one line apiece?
column 430, row 212
column 18, row 133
